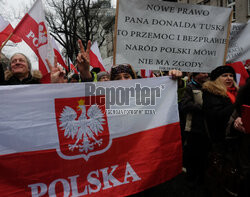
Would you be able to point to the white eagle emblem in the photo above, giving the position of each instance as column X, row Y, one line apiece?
column 85, row 129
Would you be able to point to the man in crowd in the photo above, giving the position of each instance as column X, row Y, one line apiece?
column 20, row 72
column 196, row 143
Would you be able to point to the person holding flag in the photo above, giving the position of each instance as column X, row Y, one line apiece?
column 33, row 30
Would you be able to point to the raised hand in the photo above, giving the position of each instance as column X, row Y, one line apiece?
column 83, row 60
column 175, row 74
column 56, row 72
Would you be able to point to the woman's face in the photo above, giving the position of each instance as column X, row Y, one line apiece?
column 227, row 79
column 123, row 76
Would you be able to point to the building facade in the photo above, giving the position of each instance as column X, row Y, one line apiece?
column 241, row 8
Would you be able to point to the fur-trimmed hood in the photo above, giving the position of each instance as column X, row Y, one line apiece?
column 215, row 88
column 36, row 74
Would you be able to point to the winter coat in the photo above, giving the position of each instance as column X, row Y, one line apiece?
column 192, row 107
column 33, row 78
column 217, row 108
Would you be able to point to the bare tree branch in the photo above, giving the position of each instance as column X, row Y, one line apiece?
column 70, row 20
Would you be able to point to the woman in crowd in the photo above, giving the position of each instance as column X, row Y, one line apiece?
column 219, row 95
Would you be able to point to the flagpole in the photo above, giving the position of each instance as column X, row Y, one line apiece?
column 4, row 43
column 228, row 35
column 12, row 33
column 116, row 24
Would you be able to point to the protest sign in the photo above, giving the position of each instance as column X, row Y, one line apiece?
column 239, row 45
column 161, row 35
column 106, row 139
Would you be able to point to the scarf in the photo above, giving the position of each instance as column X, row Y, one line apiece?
column 231, row 93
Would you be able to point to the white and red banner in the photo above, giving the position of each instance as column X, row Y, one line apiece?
column 33, row 30
column 58, row 54
column 103, row 139
column 95, row 57
column 5, row 30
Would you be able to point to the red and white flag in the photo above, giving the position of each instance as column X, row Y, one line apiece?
column 60, row 59
column 72, row 67
column 5, row 30
column 241, row 73
column 146, row 73
column 95, row 57
column 105, row 139
column 33, row 30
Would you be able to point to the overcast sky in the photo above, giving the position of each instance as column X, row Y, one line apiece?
column 13, row 11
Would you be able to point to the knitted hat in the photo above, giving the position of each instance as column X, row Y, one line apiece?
column 122, row 68
column 102, row 74
column 221, row 70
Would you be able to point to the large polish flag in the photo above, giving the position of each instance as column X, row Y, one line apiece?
column 5, row 30
column 95, row 57
column 58, row 54
column 101, row 139
column 33, row 30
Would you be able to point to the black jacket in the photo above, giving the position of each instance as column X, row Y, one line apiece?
column 8, row 78
column 217, row 108
column 29, row 80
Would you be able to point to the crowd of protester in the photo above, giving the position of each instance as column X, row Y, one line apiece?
column 216, row 146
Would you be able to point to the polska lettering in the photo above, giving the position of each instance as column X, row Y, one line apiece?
column 42, row 36
column 120, row 96
column 96, row 181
